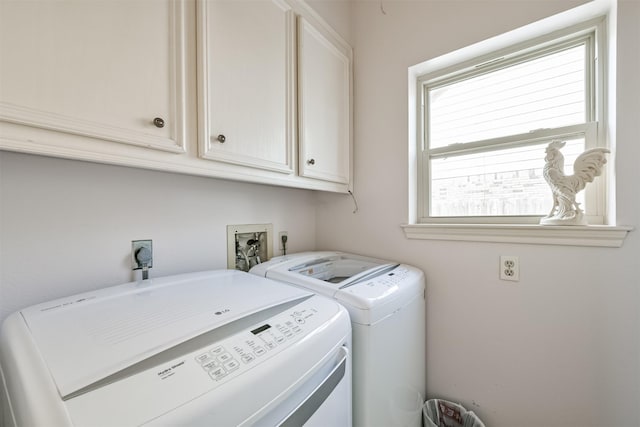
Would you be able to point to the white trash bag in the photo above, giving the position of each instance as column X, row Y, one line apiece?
column 442, row 413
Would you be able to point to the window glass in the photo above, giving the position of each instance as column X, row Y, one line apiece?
column 546, row 92
column 504, row 182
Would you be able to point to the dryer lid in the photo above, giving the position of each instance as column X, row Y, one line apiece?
column 88, row 337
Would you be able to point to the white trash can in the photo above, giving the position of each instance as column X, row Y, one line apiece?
column 442, row 413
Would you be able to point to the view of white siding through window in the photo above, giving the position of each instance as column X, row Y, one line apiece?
column 506, row 182
column 545, row 92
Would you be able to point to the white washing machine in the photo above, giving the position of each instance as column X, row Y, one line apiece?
column 219, row 348
column 386, row 303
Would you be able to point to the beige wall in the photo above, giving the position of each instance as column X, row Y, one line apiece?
column 560, row 347
column 66, row 226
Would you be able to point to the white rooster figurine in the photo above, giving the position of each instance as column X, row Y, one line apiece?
column 588, row 165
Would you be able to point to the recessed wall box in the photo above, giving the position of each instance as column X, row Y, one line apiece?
column 248, row 245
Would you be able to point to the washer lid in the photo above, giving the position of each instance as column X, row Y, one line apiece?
column 322, row 272
column 369, row 288
column 375, row 298
column 342, row 270
column 88, row 337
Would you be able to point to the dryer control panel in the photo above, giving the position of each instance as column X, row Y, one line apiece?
column 224, row 361
column 240, row 352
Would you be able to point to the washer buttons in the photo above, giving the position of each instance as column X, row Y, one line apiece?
column 218, row 350
column 224, row 357
column 204, row 358
column 232, row 365
column 210, row 365
column 218, row 373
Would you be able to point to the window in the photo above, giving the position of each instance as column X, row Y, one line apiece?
column 484, row 127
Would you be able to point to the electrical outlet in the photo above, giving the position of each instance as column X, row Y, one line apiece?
column 141, row 249
column 509, row 268
column 282, row 234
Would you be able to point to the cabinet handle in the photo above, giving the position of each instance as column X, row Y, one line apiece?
column 311, row 161
column 221, row 138
column 158, row 122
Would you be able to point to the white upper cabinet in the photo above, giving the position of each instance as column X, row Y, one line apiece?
column 248, row 90
column 324, row 70
column 104, row 69
column 275, row 86
column 246, row 83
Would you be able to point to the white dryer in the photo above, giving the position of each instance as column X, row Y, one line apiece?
column 386, row 303
column 219, row 348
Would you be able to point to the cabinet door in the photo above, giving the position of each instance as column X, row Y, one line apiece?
column 246, row 82
column 102, row 68
column 324, row 73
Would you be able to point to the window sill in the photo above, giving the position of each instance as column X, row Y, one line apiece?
column 591, row 235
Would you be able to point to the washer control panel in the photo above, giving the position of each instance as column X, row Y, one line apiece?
column 394, row 277
column 239, row 353
column 400, row 282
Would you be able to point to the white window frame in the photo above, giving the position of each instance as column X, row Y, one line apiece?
column 594, row 193
column 487, row 229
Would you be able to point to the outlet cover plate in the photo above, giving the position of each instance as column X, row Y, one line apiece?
column 509, row 268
